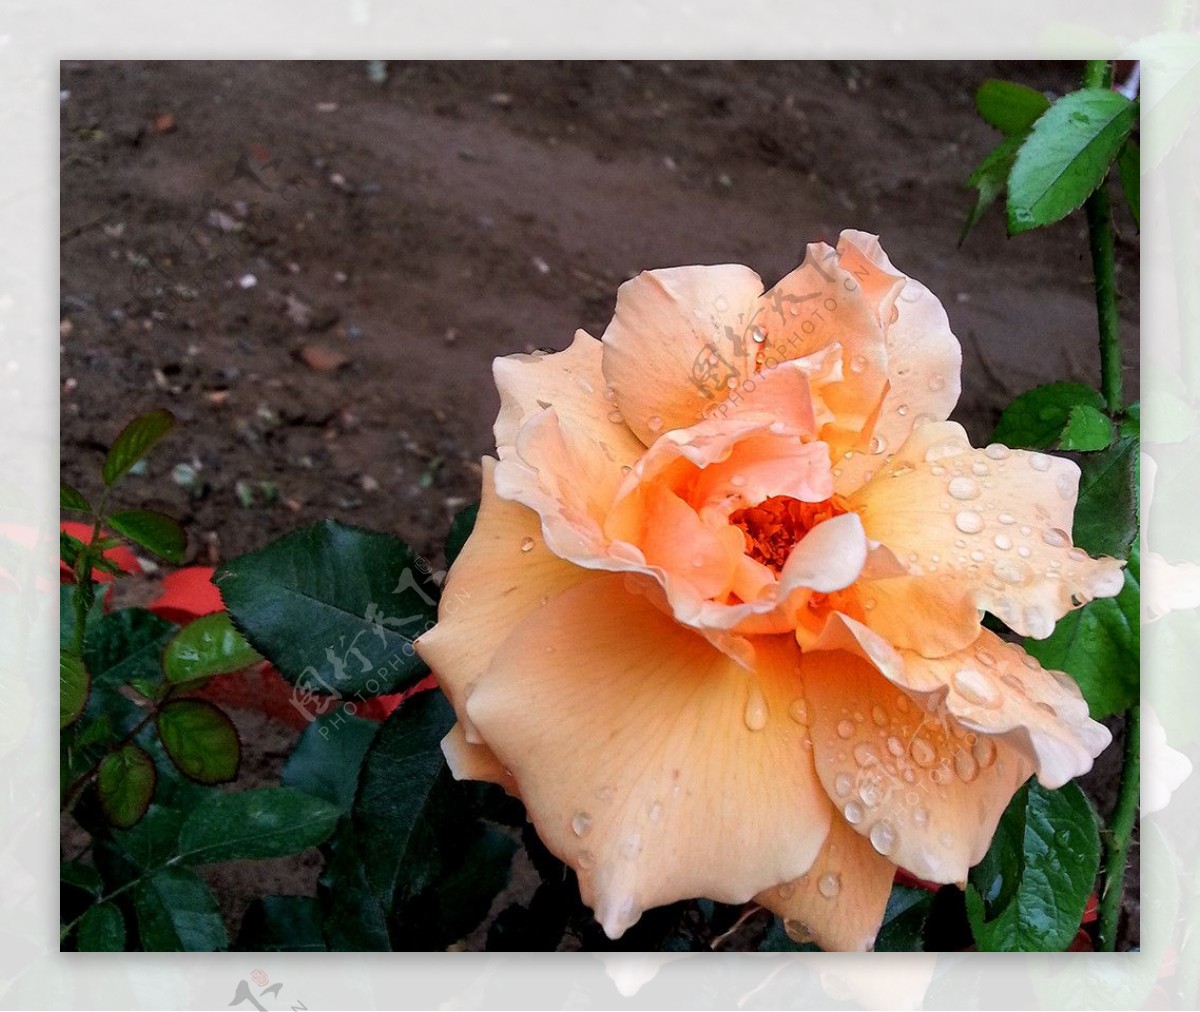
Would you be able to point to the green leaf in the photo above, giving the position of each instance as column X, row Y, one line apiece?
column 83, row 877
column 70, row 548
column 208, row 646
column 1030, row 893
column 153, row 530
column 73, row 686
column 176, row 912
column 352, row 919
column 335, row 608
column 989, row 178
column 71, row 499
column 1011, row 108
column 134, row 442
column 903, row 928
column 326, row 761
column 201, row 741
column 127, row 645
column 1087, row 428
column 102, row 929
column 1036, row 419
column 1099, row 646
column 1066, row 156
column 282, row 924
column 460, row 530
column 405, row 790
column 126, row 785
column 1106, row 513
column 1129, row 168
column 255, row 824
column 154, row 840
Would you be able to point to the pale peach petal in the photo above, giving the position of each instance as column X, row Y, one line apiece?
column 996, row 522
column 569, row 480
column 995, row 687
column 469, row 761
column 829, row 557
column 570, row 381
column 502, row 575
column 840, row 901
column 781, row 393
column 923, row 355
column 925, row 790
column 633, row 744
column 679, row 340
column 922, row 613
column 819, row 305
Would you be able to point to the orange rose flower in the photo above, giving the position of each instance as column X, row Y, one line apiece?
column 718, row 624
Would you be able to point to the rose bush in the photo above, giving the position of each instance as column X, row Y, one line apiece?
column 724, row 596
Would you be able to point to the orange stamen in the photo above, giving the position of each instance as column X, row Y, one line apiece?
column 775, row 525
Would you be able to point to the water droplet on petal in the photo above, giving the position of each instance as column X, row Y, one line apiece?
column 527, row 545
column 654, row 423
column 895, row 746
column 985, row 658
column 922, row 753
column 1039, row 462
column 871, row 792
column 858, row 364
column 980, row 469
column 785, row 891
column 586, row 859
column 1055, row 538
column 616, row 417
column 975, row 687
column 845, row 728
column 1003, row 542
column 581, row 823
column 877, row 444
column 842, row 784
column 879, row 715
column 798, row 710
column 968, row 521
column 865, row 755
column 758, row 336
column 1065, row 485
column 756, row 709
column 902, row 410
column 853, row 812
column 965, row 766
column 797, row 931
column 963, row 488
column 883, row 838
column 738, row 481
column 984, row 751
column 1006, row 518
column 829, row 885
column 996, row 451
column 937, row 382
column 1010, row 572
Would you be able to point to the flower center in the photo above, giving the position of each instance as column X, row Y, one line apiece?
column 775, row 525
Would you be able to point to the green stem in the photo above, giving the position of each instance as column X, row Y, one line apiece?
column 1097, row 74
column 1120, row 833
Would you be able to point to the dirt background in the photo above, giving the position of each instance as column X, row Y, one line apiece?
column 314, row 269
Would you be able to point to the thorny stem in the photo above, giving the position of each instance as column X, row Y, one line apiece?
column 1120, row 833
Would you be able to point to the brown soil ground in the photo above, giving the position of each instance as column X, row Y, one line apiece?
column 222, row 221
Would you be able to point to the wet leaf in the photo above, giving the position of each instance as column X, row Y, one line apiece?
column 208, row 646
column 1036, row 419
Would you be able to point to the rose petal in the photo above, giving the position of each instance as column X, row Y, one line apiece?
column 631, row 742
column 995, row 687
column 841, row 900
column 679, row 340
column 996, row 522
column 503, row 574
column 925, row 791
column 469, row 761
column 571, row 382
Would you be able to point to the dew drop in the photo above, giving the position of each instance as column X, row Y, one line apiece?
column 845, row 728
column 756, row 709
column 581, row 823
column 978, row 556
column 654, row 423
column 985, row 658
column 920, row 816
column 979, row 469
column 968, row 521
column 584, row 385
column 877, row 444
column 1023, row 551
column 1003, row 542
column 586, row 859
column 610, row 395
column 758, row 336
column 1006, row 519
column 883, row 838
column 527, row 544
column 1055, row 538
column 829, row 885
column 1009, row 572
column 1065, row 486
column 865, row 755
column 1039, row 462
column 785, row 891
column 984, row 751
column 902, row 410
column 922, row 753
column 963, row 488
column 965, row 766
column 895, row 746
column 937, row 382
column 853, row 812
column 858, row 364
column 842, row 784
column 615, row 417
column 975, row 687
column 738, row 481
column 871, row 792
column 797, row 931
column 996, row 451
column 879, row 715
column 798, row 710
